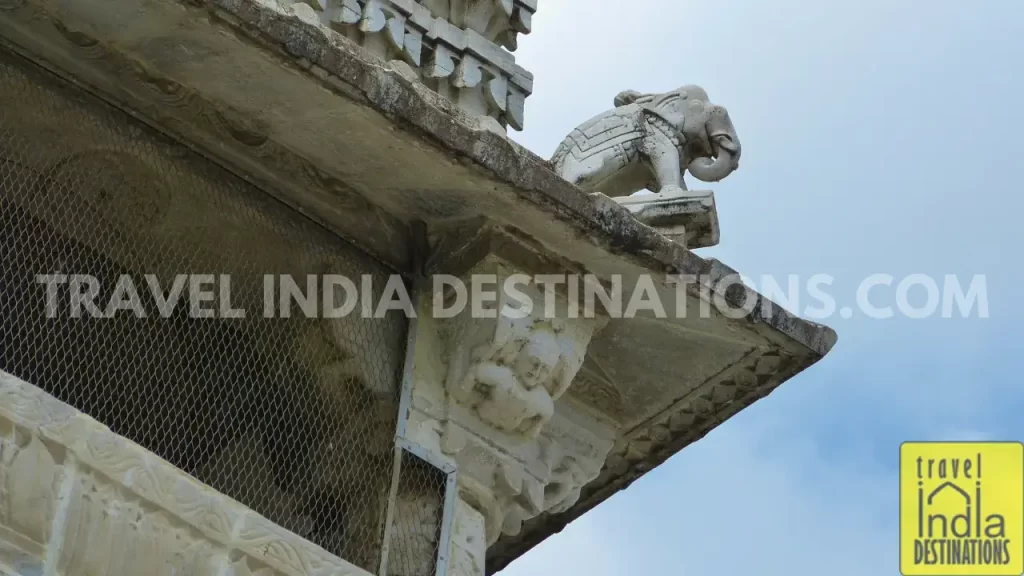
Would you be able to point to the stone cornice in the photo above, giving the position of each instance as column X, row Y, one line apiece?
column 649, row 444
column 520, row 450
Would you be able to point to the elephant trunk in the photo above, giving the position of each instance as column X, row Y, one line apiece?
column 709, row 170
column 725, row 147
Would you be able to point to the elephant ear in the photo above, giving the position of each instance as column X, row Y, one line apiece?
column 626, row 97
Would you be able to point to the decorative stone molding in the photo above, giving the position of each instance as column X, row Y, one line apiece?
column 74, row 494
column 499, row 21
column 647, row 445
column 372, row 113
column 748, row 377
column 520, row 449
column 451, row 43
column 568, row 477
column 510, row 487
column 598, row 392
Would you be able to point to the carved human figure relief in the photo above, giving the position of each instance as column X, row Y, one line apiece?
column 514, row 380
column 650, row 141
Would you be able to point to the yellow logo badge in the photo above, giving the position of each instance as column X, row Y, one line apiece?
column 962, row 509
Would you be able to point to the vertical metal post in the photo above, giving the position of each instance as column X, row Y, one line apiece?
column 418, row 281
column 404, row 406
column 389, row 516
column 444, row 542
column 405, row 399
column 404, row 444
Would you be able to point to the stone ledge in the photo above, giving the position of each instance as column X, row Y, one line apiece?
column 59, row 465
column 689, row 218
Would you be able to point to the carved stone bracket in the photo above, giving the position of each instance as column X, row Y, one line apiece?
column 520, row 451
column 490, row 394
column 510, row 487
column 510, row 370
column 454, row 45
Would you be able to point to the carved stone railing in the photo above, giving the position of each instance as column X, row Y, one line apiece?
column 77, row 498
column 499, row 21
column 453, row 46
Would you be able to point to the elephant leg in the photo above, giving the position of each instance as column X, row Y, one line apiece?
column 663, row 158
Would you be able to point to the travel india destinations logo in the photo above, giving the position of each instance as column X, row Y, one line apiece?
column 962, row 509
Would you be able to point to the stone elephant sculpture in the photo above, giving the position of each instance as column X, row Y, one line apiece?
column 647, row 140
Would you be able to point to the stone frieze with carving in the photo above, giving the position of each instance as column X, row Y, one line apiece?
column 456, row 45
column 76, row 496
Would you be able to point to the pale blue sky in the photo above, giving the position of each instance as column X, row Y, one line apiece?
column 878, row 137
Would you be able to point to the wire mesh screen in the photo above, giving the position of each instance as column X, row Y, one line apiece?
column 134, row 283
column 418, row 518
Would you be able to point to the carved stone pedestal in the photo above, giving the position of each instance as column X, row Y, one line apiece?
column 688, row 217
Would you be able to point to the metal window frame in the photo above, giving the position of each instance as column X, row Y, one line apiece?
column 404, row 444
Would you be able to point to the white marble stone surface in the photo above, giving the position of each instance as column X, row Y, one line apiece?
column 77, row 499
